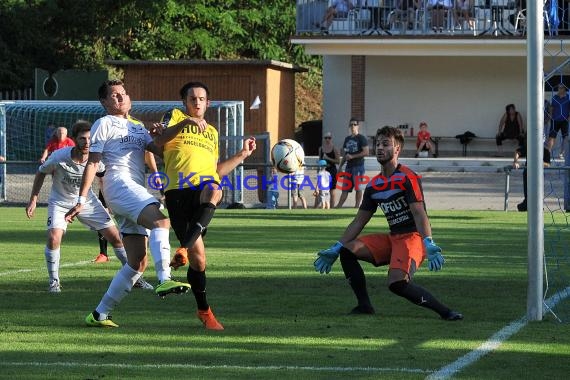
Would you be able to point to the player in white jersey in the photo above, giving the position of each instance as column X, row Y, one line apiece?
column 66, row 166
column 120, row 142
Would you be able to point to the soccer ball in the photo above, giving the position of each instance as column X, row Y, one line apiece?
column 287, row 156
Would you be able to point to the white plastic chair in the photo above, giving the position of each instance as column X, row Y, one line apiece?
column 520, row 20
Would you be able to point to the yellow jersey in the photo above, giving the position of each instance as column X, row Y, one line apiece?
column 192, row 156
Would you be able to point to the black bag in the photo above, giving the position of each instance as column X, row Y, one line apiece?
column 466, row 137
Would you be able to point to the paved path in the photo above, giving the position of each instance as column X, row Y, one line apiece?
column 467, row 191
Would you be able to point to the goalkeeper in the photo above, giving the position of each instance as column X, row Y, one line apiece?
column 398, row 192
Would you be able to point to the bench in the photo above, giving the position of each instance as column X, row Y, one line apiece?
column 410, row 143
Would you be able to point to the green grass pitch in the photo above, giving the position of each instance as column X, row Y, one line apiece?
column 283, row 320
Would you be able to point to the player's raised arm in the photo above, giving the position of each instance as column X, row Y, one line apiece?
column 225, row 167
column 36, row 187
column 86, row 182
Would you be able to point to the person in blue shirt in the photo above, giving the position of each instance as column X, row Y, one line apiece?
column 560, row 106
column 355, row 148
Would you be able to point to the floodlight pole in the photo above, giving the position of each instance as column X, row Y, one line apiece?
column 535, row 130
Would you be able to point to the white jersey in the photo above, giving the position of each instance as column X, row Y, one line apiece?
column 298, row 177
column 122, row 143
column 66, row 178
column 324, row 180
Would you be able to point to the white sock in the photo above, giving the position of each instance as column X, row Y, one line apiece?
column 52, row 262
column 120, row 286
column 160, row 251
column 121, row 254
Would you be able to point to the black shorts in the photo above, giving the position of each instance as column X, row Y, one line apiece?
column 182, row 206
column 559, row 125
column 333, row 172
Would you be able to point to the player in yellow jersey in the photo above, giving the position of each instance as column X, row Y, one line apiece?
column 190, row 149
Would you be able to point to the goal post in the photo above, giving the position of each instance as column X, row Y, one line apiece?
column 535, row 105
column 26, row 125
column 2, row 152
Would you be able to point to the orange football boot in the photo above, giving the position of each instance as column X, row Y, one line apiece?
column 101, row 258
column 209, row 320
column 180, row 258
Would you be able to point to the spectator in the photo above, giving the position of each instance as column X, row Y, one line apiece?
column 521, row 152
column 324, row 181
column 423, row 142
column 560, row 113
column 355, row 148
column 273, row 191
column 438, row 8
column 404, row 10
column 331, row 155
column 547, row 118
column 463, row 13
column 511, row 127
column 58, row 141
column 297, row 180
column 338, row 9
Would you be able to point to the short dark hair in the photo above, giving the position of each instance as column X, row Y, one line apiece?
column 104, row 88
column 509, row 106
column 80, row 126
column 189, row 85
column 353, row 120
column 388, row 131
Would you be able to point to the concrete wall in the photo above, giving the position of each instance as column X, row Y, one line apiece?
column 336, row 96
column 452, row 94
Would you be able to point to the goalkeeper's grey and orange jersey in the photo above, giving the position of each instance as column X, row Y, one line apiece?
column 66, row 177
column 393, row 196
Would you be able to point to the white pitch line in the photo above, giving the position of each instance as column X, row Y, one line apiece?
column 221, row 366
column 492, row 343
column 12, row 272
column 15, row 272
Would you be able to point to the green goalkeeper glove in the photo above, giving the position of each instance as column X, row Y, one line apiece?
column 327, row 257
column 435, row 258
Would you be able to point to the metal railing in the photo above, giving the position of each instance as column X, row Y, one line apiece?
column 490, row 18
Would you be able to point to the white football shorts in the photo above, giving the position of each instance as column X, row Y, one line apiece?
column 127, row 199
column 93, row 215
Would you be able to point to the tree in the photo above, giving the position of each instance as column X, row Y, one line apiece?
column 82, row 34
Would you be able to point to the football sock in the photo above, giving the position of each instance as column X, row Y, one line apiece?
column 52, row 262
column 197, row 281
column 418, row 295
column 102, row 244
column 205, row 214
column 355, row 276
column 120, row 286
column 160, row 251
column 121, row 254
